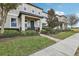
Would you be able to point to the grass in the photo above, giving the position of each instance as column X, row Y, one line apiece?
column 20, row 46
column 63, row 35
column 75, row 30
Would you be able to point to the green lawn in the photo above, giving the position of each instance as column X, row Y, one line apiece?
column 23, row 45
column 63, row 35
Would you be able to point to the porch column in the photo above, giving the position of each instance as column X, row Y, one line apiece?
column 23, row 22
column 63, row 26
column 40, row 25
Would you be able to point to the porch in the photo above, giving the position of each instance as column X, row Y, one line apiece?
column 30, row 22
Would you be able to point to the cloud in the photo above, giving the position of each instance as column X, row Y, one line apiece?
column 47, row 9
column 59, row 12
column 77, row 14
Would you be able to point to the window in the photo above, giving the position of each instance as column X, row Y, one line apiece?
column 25, row 24
column 43, row 24
column 25, row 20
column 38, row 12
column 32, row 11
column 13, row 22
column 24, row 8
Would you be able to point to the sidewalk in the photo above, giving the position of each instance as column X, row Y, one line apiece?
column 66, row 47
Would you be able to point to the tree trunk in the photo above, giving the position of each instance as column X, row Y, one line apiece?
column 2, row 28
column 4, row 16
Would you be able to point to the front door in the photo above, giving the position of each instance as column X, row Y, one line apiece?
column 32, row 25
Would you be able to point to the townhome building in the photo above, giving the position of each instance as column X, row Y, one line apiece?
column 26, row 16
column 29, row 16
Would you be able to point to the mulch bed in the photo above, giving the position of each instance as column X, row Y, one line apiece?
column 4, row 38
column 77, row 52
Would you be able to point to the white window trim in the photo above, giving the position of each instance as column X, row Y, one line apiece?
column 11, row 24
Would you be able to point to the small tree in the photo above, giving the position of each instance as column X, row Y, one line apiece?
column 73, row 19
column 4, row 9
column 52, row 19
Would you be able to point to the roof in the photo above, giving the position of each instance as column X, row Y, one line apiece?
column 30, row 14
column 34, row 6
column 61, row 15
column 45, row 12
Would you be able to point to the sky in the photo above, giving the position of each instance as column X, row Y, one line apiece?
column 67, row 8
column 62, row 8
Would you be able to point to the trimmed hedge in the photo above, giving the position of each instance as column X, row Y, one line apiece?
column 43, row 31
column 29, row 33
column 13, row 33
column 50, row 31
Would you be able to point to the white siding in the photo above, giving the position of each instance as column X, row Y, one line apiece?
column 8, row 21
column 28, row 24
column 45, row 15
column 44, row 20
column 37, row 23
column 29, row 8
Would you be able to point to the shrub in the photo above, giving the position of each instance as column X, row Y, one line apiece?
column 68, row 29
column 29, row 33
column 43, row 31
column 54, row 31
column 48, row 30
column 11, row 33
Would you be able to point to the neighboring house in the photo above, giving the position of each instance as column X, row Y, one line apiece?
column 63, row 20
column 44, row 20
column 26, row 16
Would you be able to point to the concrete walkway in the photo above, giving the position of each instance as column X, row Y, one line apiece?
column 66, row 47
column 55, row 39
